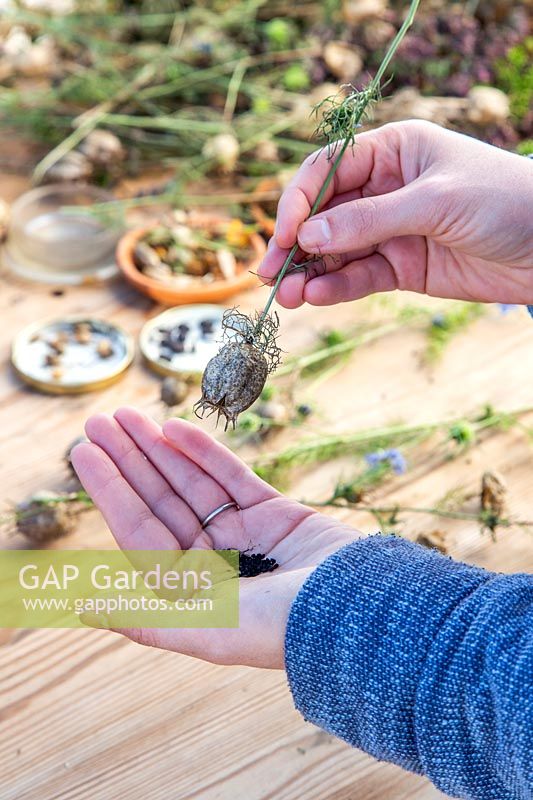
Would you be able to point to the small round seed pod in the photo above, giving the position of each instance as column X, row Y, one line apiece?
column 223, row 149
column 73, row 166
column 102, row 148
column 236, row 376
column 233, row 380
column 275, row 412
column 43, row 517
column 173, row 391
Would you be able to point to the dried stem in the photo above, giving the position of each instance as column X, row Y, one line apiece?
column 482, row 517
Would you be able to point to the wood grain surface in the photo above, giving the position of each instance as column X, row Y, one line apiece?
column 86, row 715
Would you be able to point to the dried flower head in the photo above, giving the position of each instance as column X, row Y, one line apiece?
column 235, row 377
column 44, row 517
column 343, row 114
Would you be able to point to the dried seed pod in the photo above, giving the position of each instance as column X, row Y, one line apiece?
column 173, row 391
column 488, row 106
column 493, row 493
column 235, row 377
column 223, row 149
column 73, row 166
column 102, row 148
column 44, row 517
column 233, row 380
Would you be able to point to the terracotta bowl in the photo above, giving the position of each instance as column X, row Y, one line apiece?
column 169, row 295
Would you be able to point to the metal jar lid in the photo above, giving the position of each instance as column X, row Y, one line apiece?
column 71, row 355
column 181, row 340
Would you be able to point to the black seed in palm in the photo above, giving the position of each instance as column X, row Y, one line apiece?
column 252, row 564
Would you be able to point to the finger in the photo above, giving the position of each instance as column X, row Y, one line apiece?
column 290, row 292
column 143, row 477
column 354, row 281
column 201, row 492
column 353, row 172
column 273, row 261
column 225, row 467
column 131, row 521
column 275, row 255
column 368, row 221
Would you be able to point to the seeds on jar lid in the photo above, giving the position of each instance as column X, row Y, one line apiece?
column 82, row 332
column 52, row 360
column 57, row 344
column 207, row 326
column 104, row 348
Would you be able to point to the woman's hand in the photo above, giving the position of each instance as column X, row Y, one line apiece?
column 412, row 206
column 154, row 487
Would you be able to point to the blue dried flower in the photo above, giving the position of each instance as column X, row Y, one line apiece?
column 391, row 456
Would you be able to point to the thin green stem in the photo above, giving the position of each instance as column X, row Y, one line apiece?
column 399, row 509
column 310, row 359
column 300, row 451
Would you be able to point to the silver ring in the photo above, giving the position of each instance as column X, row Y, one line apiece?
column 224, row 507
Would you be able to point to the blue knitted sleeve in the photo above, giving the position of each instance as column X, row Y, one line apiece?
column 421, row 661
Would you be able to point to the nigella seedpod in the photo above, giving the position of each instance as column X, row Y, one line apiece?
column 235, row 377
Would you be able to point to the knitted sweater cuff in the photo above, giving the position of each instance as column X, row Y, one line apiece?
column 358, row 637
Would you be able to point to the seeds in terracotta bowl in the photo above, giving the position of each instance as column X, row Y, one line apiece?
column 182, row 256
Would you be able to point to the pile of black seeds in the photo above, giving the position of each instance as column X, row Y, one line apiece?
column 252, row 564
column 183, row 338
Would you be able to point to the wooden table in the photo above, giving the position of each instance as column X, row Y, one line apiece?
column 86, row 715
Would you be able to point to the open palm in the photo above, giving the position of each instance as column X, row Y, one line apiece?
column 155, row 486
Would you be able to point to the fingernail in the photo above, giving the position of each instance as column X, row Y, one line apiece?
column 315, row 233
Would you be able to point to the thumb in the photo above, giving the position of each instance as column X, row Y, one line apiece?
column 363, row 223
